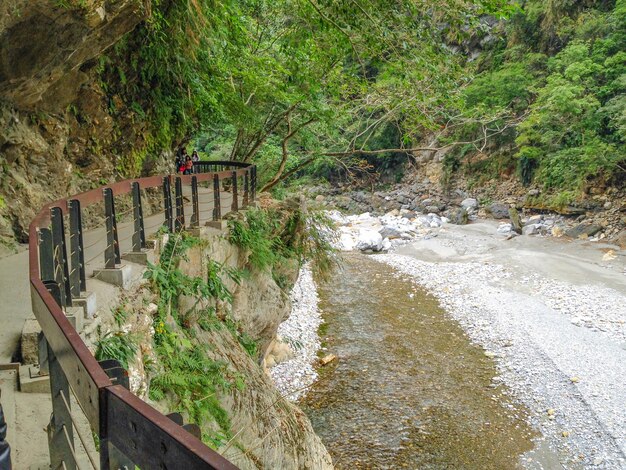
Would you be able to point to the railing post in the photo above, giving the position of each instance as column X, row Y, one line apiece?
column 46, row 255
column 112, row 250
column 167, row 203
column 5, row 448
column 180, row 208
column 235, row 205
column 217, row 209
column 139, row 234
column 246, row 188
column 61, row 269
column 60, row 429
column 253, row 182
column 110, row 457
column 195, row 217
column 78, row 281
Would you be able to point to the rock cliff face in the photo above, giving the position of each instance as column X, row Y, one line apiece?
column 45, row 43
column 57, row 134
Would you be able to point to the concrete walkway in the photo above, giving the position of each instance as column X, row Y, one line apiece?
column 29, row 413
column 14, row 302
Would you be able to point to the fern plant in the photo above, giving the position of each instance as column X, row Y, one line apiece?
column 116, row 345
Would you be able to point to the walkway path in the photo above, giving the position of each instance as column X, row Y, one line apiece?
column 29, row 413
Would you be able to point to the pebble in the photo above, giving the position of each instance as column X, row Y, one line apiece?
column 294, row 376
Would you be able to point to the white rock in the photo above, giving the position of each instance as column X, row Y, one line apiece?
column 337, row 217
column 386, row 244
column 531, row 229
column 346, row 242
column 505, row 228
column 469, row 203
column 369, row 240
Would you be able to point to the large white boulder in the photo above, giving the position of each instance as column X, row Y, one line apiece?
column 337, row 217
column 369, row 240
column 346, row 242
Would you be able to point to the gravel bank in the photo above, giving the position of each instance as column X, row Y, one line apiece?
column 295, row 375
column 559, row 347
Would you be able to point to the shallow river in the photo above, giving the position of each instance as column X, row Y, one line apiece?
column 408, row 390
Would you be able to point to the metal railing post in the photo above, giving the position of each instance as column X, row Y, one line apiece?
column 111, row 458
column 253, row 182
column 61, row 269
column 195, row 217
column 78, row 281
column 246, row 188
column 217, row 209
column 235, row 205
column 167, row 203
column 139, row 234
column 180, row 208
column 112, row 250
column 5, row 448
column 46, row 255
column 60, row 429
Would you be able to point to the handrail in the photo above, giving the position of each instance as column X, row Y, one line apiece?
column 122, row 421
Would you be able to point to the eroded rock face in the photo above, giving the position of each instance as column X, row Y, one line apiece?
column 42, row 47
column 270, row 431
column 57, row 134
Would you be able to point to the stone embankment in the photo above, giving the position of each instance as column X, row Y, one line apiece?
column 600, row 217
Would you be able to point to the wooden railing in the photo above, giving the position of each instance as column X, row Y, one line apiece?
column 130, row 432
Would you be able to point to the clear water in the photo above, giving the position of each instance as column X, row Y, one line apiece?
column 408, row 390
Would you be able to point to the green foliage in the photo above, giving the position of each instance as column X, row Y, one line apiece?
column 117, row 345
column 120, row 315
column 275, row 236
column 315, row 75
column 186, row 374
column 561, row 77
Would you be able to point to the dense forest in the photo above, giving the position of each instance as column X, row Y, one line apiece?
column 324, row 88
column 361, row 91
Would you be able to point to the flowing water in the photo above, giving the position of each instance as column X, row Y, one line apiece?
column 408, row 390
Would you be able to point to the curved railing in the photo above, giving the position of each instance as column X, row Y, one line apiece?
column 130, row 431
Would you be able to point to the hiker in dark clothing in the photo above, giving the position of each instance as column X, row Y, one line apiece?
column 181, row 158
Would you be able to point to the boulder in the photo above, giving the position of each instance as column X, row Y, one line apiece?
column 583, row 230
column 386, row 244
column 620, row 239
column 535, row 219
column 498, row 210
column 531, row 229
column 389, row 231
column 469, row 204
column 346, row 242
column 369, row 240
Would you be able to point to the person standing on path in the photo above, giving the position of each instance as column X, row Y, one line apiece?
column 5, row 450
column 195, row 158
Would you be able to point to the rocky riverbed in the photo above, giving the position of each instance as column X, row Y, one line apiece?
column 551, row 311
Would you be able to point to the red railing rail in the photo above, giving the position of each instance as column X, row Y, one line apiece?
column 130, row 431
